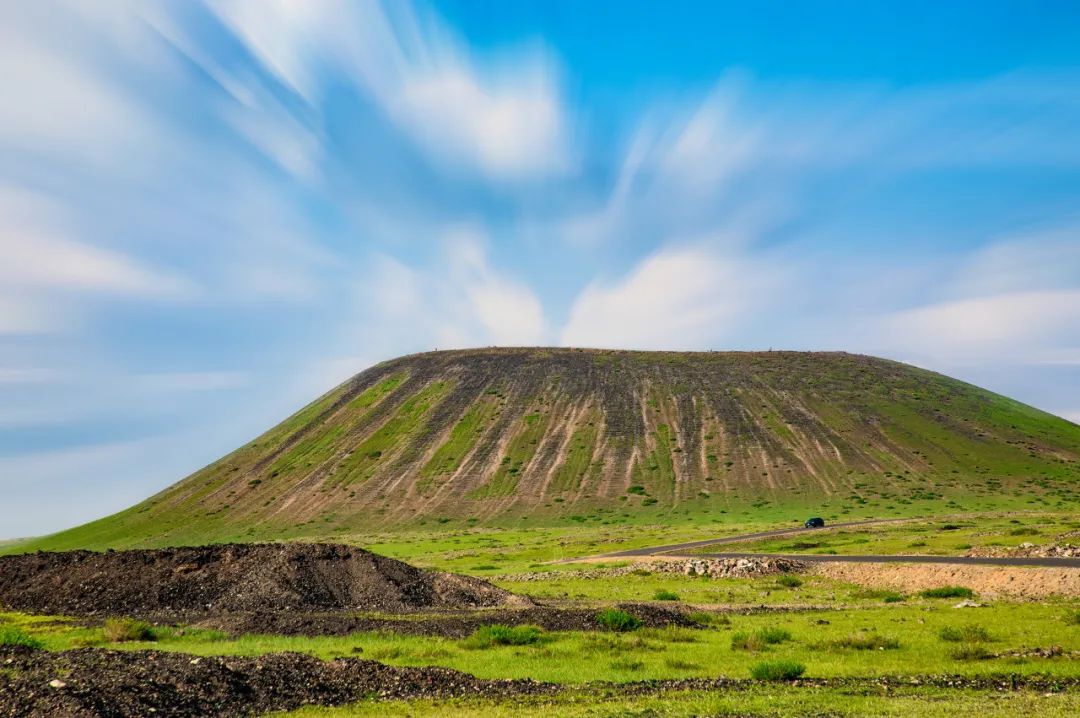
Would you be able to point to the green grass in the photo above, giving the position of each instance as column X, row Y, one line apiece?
column 12, row 636
column 499, row 635
column 951, row 537
column 616, row 620
column 775, row 700
column 965, row 634
column 777, row 670
column 665, row 595
column 820, row 639
column 948, row 592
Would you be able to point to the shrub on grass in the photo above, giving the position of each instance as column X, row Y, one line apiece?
column 777, row 670
column 12, row 636
column 867, row 642
column 499, row 635
column 881, row 594
column 128, row 629
column 759, row 640
column 1073, row 618
column 965, row 634
column 627, row 664
column 789, row 581
column 970, row 653
column 664, row 595
column 704, row 618
column 948, row 592
column 616, row 620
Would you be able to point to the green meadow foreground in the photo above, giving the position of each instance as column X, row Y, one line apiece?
column 833, row 648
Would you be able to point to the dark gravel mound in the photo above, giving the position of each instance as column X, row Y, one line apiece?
column 233, row 577
column 94, row 682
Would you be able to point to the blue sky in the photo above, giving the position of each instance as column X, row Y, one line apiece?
column 210, row 213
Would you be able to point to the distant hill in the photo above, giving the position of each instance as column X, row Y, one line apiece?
column 549, row 435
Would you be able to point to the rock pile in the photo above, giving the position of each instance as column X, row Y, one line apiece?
column 711, row 567
column 742, row 567
column 234, row 577
column 1027, row 550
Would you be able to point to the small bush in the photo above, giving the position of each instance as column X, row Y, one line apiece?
column 970, row 653
column 663, row 595
column 774, row 635
column 1024, row 532
column 484, row 567
column 704, row 618
column 499, row 635
column 627, row 664
column 12, row 636
column 616, row 620
column 867, row 642
column 638, row 490
column 882, row 595
column 948, row 592
column 777, row 670
column 965, row 634
column 789, row 581
column 128, row 629
column 1073, row 618
column 759, row 640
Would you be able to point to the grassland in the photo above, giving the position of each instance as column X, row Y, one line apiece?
column 945, row 536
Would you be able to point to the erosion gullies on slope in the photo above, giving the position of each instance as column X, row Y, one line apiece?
column 544, row 434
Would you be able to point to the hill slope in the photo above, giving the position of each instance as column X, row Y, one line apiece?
column 503, row 435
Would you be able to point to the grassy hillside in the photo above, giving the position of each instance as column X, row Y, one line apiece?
column 551, row 436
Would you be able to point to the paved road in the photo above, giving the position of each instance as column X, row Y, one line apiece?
column 682, row 549
column 969, row 560
column 691, row 545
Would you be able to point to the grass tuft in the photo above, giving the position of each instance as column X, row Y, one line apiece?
column 777, row 670
column 617, row 620
column 499, row 635
column 948, row 592
column 789, row 581
column 118, row 630
column 970, row 653
column 759, row 640
column 12, row 636
column 965, row 634
column 866, row 642
column 665, row 595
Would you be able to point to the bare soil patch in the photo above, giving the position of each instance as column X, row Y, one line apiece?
column 1006, row 581
column 234, row 577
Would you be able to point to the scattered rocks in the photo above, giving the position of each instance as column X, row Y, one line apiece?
column 742, row 567
column 234, row 577
column 714, row 568
column 1027, row 550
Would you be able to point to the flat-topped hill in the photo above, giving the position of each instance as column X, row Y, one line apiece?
column 545, row 435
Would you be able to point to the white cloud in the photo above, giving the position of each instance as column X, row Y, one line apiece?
column 675, row 299
column 1073, row 416
column 461, row 301
column 1015, row 325
column 505, row 119
column 37, row 254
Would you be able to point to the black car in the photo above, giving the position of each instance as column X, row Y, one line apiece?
column 815, row 523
